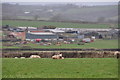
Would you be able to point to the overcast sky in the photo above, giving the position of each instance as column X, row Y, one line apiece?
column 60, row 0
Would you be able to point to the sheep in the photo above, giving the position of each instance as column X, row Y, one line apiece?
column 22, row 57
column 62, row 58
column 16, row 57
column 117, row 54
column 59, row 56
column 49, row 43
column 35, row 56
column 55, row 57
column 58, row 44
column 65, row 42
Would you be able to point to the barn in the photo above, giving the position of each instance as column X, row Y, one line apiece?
column 41, row 35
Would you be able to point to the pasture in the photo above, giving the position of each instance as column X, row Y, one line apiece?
column 66, row 68
column 57, row 24
column 100, row 44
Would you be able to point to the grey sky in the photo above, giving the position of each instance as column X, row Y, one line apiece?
column 60, row 0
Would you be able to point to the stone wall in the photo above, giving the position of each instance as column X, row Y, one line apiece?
column 66, row 54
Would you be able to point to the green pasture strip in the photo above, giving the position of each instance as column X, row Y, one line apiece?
column 57, row 24
column 66, row 68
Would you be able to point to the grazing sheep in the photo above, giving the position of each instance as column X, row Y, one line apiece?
column 65, row 42
column 49, row 43
column 62, row 58
column 55, row 57
column 16, row 57
column 116, row 52
column 59, row 56
column 22, row 57
column 35, row 56
column 58, row 44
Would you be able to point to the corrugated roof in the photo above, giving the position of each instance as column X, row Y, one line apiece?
column 55, row 30
column 42, row 33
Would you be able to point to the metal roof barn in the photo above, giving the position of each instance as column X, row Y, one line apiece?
column 55, row 30
column 41, row 36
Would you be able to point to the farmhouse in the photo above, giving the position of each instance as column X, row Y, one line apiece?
column 19, row 35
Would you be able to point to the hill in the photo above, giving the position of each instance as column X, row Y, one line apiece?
column 66, row 12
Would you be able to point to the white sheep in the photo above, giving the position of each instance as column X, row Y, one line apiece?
column 35, row 56
column 16, row 57
column 22, row 57
column 59, row 56
column 116, row 52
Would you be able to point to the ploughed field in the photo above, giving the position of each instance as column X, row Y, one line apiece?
column 57, row 24
column 64, row 68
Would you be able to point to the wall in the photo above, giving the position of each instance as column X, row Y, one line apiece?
column 66, row 54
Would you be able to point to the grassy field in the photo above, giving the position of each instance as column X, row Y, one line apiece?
column 67, row 68
column 100, row 44
column 57, row 24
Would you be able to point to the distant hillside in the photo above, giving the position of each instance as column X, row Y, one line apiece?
column 68, row 12
column 93, row 13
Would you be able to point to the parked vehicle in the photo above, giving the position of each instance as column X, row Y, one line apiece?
column 86, row 40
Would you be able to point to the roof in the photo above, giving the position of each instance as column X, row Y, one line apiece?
column 41, row 33
column 36, row 31
column 40, row 36
column 68, row 35
column 55, row 30
column 27, row 27
column 86, row 29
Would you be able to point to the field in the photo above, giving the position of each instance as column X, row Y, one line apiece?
column 67, row 68
column 100, row 44
column 57, row 24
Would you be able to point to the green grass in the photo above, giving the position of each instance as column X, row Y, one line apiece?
column 57, row 24
column 100, row 44
column 67, row 68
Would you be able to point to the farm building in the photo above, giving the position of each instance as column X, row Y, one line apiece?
column 81, row 36
column 27, row 28
column 87, row 29
column 41, row 35
column 54, row 30
column 19, row 35
column 90, row 34
column 24, row 33
column 68, row 36
column 111, row 34
column 71, row 31
column 6, row 27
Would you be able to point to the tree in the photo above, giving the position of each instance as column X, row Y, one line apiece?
column 36, row 17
